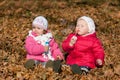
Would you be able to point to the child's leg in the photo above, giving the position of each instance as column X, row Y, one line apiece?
column 37, row 62
column 76, row 69
column 57, row 66
column 49, row 64
column 29, row 64
column 43, row 64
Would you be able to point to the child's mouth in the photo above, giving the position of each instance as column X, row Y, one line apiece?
column 76, row 31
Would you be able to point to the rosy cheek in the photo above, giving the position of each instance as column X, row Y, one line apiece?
column 76, row 29
column 33, row 30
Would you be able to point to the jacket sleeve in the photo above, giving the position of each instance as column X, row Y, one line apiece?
column 65, row 44
column 55, row 49
column 98, row 50
column 32, row 47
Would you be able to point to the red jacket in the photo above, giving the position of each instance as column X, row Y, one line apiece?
column 85, row 51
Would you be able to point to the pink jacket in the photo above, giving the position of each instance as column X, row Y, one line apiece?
column 85, row 52
column 35, row 50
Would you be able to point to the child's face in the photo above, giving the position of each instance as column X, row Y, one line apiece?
column 37, row 30
column 82, row 27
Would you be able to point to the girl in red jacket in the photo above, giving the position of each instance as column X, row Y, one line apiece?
column 84, row 49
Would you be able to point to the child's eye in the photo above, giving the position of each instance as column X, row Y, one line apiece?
column 77, row 25
column 38, row 28
column 33, row 27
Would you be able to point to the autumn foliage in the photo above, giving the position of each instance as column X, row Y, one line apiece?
column 15, row 22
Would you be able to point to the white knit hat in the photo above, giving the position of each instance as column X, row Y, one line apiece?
column 90, row 23
column 41, row 22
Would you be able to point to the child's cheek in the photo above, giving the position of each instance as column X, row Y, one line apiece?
column 76, row 30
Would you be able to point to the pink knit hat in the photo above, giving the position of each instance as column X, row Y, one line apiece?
column 41, row 22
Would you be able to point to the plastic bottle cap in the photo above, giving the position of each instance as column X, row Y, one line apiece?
column 47, row 43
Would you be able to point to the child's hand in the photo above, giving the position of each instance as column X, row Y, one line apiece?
column 46, row 48
column 59, row 57
column 73, row 40
column 99, row 62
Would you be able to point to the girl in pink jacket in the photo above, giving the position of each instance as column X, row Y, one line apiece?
column 40, row 44
column 84, row 49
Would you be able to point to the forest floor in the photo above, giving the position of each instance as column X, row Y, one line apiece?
column 16, row 17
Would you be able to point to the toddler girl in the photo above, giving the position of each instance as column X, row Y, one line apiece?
column 40, row 45
column 84, row 49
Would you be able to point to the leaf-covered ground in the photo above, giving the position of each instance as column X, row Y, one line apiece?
column 15, row 21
